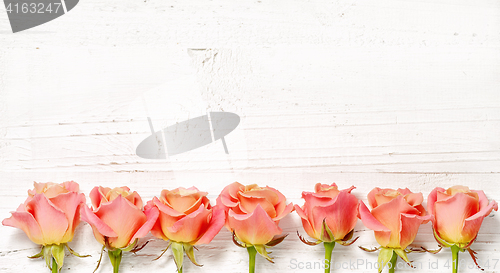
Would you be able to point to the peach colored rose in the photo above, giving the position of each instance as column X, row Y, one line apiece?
column 186, row 219
column 50, row 214
column 117, row 218
column 457, row 214
column 253, row 212
column 49, row 217
column 330, row 207
column 186, row 216
column 395, row 217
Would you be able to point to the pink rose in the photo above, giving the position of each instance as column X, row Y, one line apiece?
column 253, row 212
column 395, row 218
column 458, row 214
column 49, row 217
column 329, row 216
column 330, row 211
column 117, row 218
column 50, row 214
column 186, row 219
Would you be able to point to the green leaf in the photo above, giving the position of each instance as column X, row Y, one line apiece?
column 178, row 251
column 384, row 257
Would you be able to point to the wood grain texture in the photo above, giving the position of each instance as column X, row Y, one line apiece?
column 385, row 93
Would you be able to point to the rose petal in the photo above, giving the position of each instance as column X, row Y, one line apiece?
column 431, row 199
column 473, row 223
column 310, row 230
column 27, row 223
column 151, row 216
column 371, row 197
column 248, row 203
column 99, row 228
column 71, row 186
column 190, row 227
column 285, row 212
column 215, row 225
column 313, row 200
column 266, row 193
column 135, row 199
column 70, row 204
column 410, row 224
column 166, row 209
column 179, row 202
column 382, row 233
column 483, row 200
column 96, row 195
column 414, row 199
column 228, row 196
column 340, row 216
column 123, row 217
column 388, row 214
column 52, row 220
column 256, row 228
column 451, row 213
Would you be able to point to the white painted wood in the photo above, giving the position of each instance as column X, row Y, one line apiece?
column 385, row 93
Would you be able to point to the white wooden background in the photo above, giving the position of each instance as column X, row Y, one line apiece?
column 386, row 93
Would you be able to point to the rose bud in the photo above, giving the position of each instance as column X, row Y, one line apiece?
column 49, row 217
column 329, row 216
column 186, row 219
column 252, row 215
column 457, row 214
column 395, row 218
column 118, row 220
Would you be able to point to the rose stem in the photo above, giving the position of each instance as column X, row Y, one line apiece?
column 328, row 255
column 116, row 257
column 54, row 266
column 454, row 255
column 251, row 254
column 394, row 258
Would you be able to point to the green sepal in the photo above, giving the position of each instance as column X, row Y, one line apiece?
column 165, row 250
column 178, row 252
column 131, row 246
column 47, row 254
column 401, row 253
column 115, row 256
column 40, row 254
column 58, row 254
column 276, row 240
column 75, row 253
column 384, row 257
column 326, row 233
column 189, row 249
column 261, row 249
column 53, row 251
